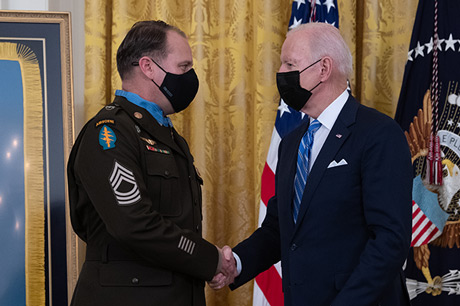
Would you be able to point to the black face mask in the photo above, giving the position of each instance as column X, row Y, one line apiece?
column 290, row 90
column 179, row 89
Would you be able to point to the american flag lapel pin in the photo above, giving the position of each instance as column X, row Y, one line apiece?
column 338, row 136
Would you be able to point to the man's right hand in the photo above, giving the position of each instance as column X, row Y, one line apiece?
column 226, row 271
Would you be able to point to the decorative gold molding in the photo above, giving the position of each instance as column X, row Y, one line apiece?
column 34, row 229
column 64, row 21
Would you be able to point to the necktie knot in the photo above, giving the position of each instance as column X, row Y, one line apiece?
column 314, row 126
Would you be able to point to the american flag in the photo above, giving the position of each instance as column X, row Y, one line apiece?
column 428, row 219
column 439, row 211
column 423, row 229
column 267, row 285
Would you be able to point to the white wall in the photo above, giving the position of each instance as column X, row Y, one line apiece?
column 77, row 13
column 35, row 5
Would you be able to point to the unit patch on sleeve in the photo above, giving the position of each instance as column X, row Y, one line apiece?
column 105, row 121
column 186, row 245
column 124, row 185
column 107, row 137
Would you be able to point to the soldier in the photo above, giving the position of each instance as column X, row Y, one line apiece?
column 135, row 194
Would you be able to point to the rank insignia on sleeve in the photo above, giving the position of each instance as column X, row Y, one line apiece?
column 107, row 138
column 124, row 185
column 186, row 245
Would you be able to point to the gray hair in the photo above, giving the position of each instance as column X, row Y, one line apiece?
column 326, row 41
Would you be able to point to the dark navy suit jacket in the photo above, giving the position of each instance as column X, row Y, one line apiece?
column 353, row 231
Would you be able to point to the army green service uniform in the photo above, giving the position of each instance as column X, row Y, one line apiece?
column 135, row 199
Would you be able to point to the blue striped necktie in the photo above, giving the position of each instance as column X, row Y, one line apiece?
column 303, row 161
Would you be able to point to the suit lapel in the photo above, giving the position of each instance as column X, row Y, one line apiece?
column 336, row 138
column 149, row 124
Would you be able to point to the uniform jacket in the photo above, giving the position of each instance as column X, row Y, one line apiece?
column 135, row 199
column 353, row 231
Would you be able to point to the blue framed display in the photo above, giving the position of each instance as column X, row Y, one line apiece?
column 37, row 245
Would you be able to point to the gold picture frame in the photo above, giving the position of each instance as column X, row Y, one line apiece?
column 40, row 42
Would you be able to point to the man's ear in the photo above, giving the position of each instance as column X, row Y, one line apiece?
column 147, row 67
column 326, row 68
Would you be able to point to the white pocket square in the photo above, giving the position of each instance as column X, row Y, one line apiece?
column 333, row 163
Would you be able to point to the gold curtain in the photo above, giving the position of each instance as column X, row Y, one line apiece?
column 378, row 33
column 236, row 46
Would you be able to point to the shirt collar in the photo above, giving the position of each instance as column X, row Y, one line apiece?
column 151, row 107
column 328, row 117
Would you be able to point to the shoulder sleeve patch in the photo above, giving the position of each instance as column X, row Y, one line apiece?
column 107, row 137
column 105, row 121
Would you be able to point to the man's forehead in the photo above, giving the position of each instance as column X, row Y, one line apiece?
column 298, row 40
column 293, row 49
column 176, row 40
column 295, row 46
column 178, row 47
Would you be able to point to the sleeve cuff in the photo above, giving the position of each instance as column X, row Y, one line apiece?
column 239, row 266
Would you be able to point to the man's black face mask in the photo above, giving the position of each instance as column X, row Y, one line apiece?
column 290, row 90
column 179, row 89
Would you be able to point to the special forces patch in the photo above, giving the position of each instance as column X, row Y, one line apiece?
column 105, row 121
column 107, row 137
column 124, row 185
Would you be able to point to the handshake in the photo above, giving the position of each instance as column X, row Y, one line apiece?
column 226, row 270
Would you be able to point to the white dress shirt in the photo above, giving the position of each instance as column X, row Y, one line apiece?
column 327, row 119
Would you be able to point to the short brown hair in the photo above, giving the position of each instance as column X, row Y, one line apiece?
column 144, row 38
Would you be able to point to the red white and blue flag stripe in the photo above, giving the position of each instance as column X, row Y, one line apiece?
column 423, row 230
column 267, row 285
column 428, row 219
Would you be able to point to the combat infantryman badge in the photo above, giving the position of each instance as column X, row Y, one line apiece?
column 149, row 141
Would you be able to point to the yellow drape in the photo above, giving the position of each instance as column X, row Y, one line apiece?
column 236, row 46
column 378, row 33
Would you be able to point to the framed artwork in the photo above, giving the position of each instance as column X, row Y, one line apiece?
column 38, row 247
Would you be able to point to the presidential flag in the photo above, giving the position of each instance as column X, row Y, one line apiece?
column 429, row 111
column 267, row 285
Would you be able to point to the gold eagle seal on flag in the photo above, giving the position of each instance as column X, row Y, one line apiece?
column 436, row 218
